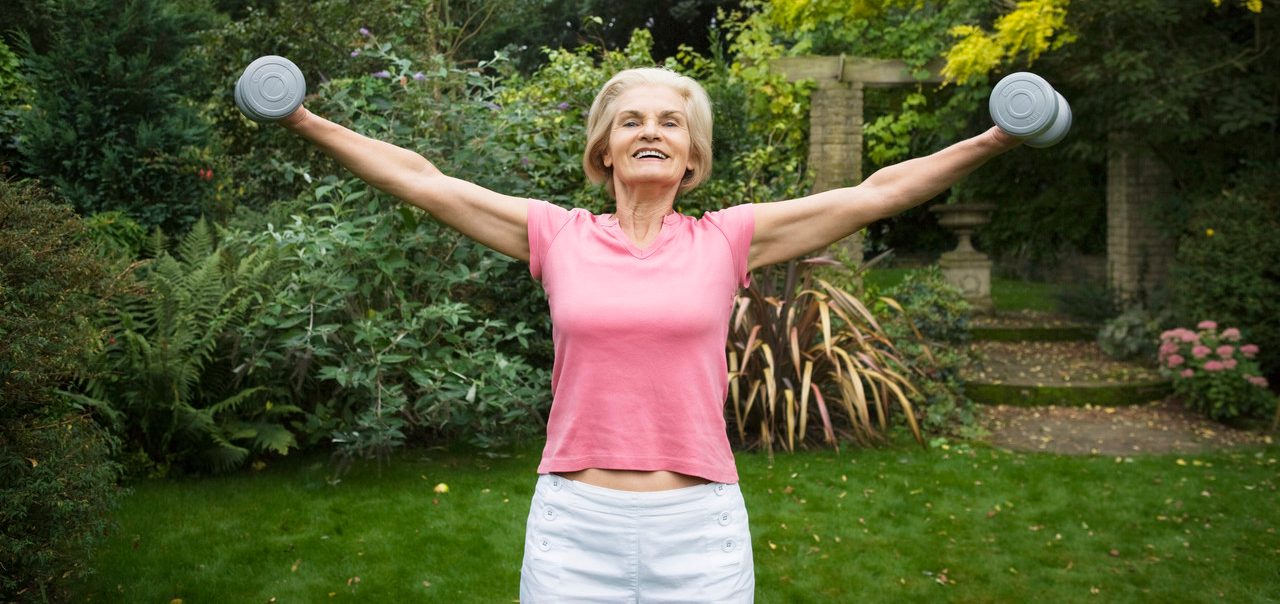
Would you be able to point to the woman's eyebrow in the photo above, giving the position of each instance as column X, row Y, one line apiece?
column 633, row 113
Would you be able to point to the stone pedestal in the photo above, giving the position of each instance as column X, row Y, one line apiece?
column 964, row 267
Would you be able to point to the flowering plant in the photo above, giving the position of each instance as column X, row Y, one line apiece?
column 1214, row 371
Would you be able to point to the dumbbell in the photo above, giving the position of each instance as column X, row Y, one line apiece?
column 270, row 89
column 1025, row 105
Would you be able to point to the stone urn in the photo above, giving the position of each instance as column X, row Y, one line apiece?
column 964, row 267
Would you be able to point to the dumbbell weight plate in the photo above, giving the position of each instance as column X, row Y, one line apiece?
column 1023, row 104
column 270, row 88
column 1057, row 130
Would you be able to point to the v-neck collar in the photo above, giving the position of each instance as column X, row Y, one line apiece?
column 610, row 224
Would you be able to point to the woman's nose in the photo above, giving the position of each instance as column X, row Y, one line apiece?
column 650, row 131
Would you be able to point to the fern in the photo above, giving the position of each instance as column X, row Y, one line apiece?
column 162, row 366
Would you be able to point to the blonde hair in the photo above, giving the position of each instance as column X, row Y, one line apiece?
column 600, row 119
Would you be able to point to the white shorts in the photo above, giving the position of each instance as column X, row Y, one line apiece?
column 585, row 543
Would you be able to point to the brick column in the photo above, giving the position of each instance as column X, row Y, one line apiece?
column 1138, row 254
column 835, row 142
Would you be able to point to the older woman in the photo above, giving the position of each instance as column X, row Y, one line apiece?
column 637, row 497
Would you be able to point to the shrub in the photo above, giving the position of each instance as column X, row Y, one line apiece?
column 1225, row 264
column 931, row 331
column 56, row 477
column 385, row 328
column 111, row 124
column 1132, row 335
column 1215, row 371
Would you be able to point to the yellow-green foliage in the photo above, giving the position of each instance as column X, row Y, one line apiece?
column 795, row 16
column 1253, row 6
column 1032, row 28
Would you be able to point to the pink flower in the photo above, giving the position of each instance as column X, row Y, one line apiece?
column 1200, row 352
column 1231, row 334
column 1213, row 366
column 1207, row 325
column 1168, row 348
column 1229, row 364
column 1188, row 336
column 1258, row 380
column 1186, row 373
column 1225, row 351
column 1175, row 360
column 1248, row 350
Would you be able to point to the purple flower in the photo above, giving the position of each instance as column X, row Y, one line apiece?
column 493, row 106
column 364, row 31
column 417, row 75
column 524, row 162
column 1207, row 325
column 355, row 53
column 381, row 74
column 562, row 106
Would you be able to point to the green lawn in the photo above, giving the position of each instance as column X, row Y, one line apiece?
column 1006, row 294
column 882, row 525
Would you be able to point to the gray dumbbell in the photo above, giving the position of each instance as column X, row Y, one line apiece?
column 270, row 89
column 1025, row 105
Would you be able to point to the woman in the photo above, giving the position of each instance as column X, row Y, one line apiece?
column 637, row 494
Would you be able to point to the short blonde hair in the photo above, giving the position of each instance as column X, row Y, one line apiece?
column 600, row 119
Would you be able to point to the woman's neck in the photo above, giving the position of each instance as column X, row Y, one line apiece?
column 640, row 216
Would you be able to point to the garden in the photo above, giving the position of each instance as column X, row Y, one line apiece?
column 232, row 371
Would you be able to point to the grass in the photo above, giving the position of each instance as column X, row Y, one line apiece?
column 961, row 524
column 1006, row 294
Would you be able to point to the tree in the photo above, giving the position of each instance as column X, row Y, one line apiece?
column 113, row 124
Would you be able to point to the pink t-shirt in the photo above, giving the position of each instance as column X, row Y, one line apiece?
column 640, row 377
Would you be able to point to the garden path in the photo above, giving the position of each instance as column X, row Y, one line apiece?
column 1070, row 398
column 1159, row 427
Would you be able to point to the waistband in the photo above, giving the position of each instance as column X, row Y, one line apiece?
column 647, row 500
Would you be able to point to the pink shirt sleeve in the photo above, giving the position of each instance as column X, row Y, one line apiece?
column 545, row 221
column 738, row 224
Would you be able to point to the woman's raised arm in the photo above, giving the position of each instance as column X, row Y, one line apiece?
column 493, row 219
column 793, row 228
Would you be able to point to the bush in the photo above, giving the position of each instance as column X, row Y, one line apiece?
column 1225, row 265
column 1132, row 335
column 112, row 125
column 931, row 334
column 56, row 477
column 385, row 328
column 1216, row 373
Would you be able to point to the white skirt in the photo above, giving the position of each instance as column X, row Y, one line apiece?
column 585, row 543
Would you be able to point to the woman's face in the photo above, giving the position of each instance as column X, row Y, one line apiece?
column 649, row 137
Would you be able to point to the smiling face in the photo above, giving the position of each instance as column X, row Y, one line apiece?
column 649, row 140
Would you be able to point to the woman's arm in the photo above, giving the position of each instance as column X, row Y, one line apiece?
column 495, row 220
column 793, row 228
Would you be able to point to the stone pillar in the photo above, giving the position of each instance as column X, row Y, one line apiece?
column 835, row 142
column 1138, row 254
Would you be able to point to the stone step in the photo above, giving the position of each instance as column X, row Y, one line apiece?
column 1061, row 373
column 1029, row 326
